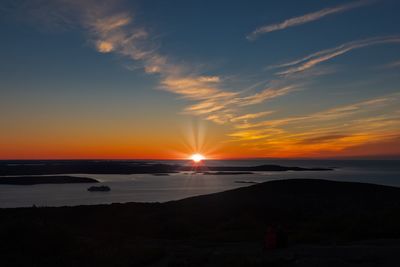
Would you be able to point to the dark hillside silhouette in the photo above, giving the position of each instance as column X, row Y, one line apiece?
column 309, row 211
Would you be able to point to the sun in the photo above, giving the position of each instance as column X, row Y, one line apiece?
column 197, row 157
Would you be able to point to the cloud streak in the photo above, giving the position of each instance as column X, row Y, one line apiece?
column 223, row 107
column 250, row 116
column 327, row 115
column 392, row 65
column 267, row 94
column 296, row 21
column 311, row 60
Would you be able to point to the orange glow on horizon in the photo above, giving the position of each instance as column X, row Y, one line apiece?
column 195, row 139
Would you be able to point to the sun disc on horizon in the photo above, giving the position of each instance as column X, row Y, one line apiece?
column 197, row 158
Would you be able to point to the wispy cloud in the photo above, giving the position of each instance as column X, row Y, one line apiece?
column 392, row 65
column 267, row 94
column 327, row 115
column 195, row 87
column 314, row 141
column 323, row 138
column 112, row 29
column 224, row 107
column 311, row 60
column 255, row 134
column 250, row 116
column 334, row 129
column 305, row 18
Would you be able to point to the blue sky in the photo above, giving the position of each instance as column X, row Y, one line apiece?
column 129, row 65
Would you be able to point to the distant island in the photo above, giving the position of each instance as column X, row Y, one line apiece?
column 265, row 168
column 32, row 180
column 225, row 173
column 49, row 167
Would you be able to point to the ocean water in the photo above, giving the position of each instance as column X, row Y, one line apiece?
column 150, row 188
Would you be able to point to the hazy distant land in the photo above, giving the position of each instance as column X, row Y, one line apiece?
column 126, row 167
column 32, row 180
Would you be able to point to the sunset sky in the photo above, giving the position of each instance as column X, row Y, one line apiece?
column 226, row 78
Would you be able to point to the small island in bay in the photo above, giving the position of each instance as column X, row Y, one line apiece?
column 32, row 180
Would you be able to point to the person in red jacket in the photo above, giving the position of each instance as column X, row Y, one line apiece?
column 271, row 238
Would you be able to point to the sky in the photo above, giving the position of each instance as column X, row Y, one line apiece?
column 154, row 79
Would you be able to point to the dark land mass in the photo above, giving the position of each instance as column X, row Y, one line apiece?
column 273, row 168
column 83, row 166
column 32, row 180
column 123, row 167
column 226, row 173
column 327, row 223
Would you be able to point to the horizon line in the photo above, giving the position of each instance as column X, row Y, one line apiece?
column 372, row 157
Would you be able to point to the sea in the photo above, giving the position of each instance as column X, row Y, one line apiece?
column 152, row 188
